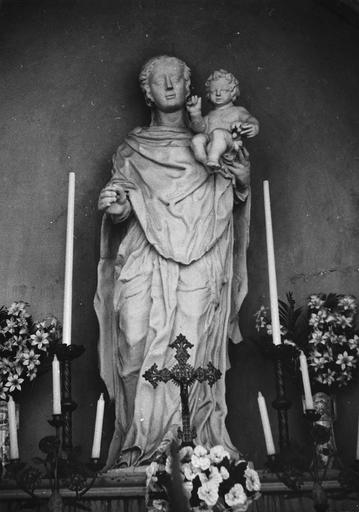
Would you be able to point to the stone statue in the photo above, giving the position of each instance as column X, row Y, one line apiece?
column 221, row 130
column 325, row 406
column 173, row 260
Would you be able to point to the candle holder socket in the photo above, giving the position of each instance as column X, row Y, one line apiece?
column 68, row 352
column 56, row 421
column 95, row 465
column 312, row 415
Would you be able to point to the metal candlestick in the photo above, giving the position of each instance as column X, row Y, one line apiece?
column 75, row 476
column 281, row 403
column 65, row 354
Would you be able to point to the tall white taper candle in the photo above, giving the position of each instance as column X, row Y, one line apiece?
column 67, row 316
column 273, row 294
column 96, row 446
column 14, row 447
column 306, row 382
column 56, row 387
column 266, row 425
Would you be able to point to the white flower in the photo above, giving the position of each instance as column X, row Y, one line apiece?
column 344, row 321
column 252, row 480
column 30, row 359
column 151, row 471
column 224, row 473
column 331, row 317
column 315, row 302
column 217, row 454
column 323, row 315
column 14, row 382
column 18, row 309
column 39, row 339
column 208, row 493
column 188, row 488
column 200, row 458
column 347, row 303
column 11, row 325
column 160, row 505
column 327, row 377
column 354, row 342
column 317, row 337
column 318, row 360
column 6, row 365
column 341, row 339
column 236, row 496
column 215, row 476
column 185, row 453
column 200, row 451
column 314, row 320
column 345, row 360
column 189, row 471
column 31, row 374
column 168, row 465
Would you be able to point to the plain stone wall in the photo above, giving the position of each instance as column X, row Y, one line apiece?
column 69, row 94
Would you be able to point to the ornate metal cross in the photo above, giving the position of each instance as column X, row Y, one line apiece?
column 183, row 375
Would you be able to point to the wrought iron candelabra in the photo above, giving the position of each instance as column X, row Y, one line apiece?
column 60, row 464
column 293, row 462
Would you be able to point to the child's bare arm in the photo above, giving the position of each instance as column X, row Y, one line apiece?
column 194, row 109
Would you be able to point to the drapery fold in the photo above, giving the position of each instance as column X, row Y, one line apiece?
column 176, row 265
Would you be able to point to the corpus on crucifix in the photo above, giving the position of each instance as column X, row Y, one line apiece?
column 184, row 375
column 173, row 259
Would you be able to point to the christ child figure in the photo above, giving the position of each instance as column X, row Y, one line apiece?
column 221, row 130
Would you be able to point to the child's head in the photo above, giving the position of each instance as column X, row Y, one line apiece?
column 222, row 87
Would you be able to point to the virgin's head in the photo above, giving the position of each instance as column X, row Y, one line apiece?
column 165, row 82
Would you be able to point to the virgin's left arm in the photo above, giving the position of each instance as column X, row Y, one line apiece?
column 240, row 170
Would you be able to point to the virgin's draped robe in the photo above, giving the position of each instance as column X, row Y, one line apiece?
column 176, row 265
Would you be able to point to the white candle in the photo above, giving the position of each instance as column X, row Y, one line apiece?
column 14, row 447
column 304, row 404
column 306, row 382
column 56, row 388
column 357, row 456
column 96, row 446
column 67, row 316
column 273, row 294
column 265, row 424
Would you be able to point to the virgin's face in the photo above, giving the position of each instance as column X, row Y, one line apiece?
column 168, row 86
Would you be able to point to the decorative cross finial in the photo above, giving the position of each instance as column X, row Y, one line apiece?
column 183, row 375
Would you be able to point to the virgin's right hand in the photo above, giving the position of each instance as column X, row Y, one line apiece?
column 111, row 195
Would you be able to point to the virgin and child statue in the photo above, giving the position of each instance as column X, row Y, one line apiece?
column 173, row 260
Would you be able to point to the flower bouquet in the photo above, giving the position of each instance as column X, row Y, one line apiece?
column 24, row 346
column 325, row 330
column 333, row 344
column 210, row 480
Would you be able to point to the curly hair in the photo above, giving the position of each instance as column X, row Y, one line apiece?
column 222, row 73
column 148, row 68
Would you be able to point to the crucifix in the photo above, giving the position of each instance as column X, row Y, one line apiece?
column 183, row 375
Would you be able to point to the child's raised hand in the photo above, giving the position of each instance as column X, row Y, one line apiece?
column 194, row 105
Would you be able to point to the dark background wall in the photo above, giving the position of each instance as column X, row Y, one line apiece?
column 69, row 94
